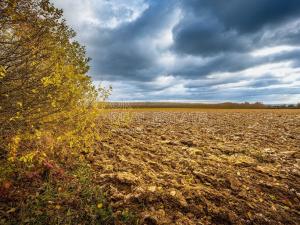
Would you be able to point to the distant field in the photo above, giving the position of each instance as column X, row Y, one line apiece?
column 225, row 105
column 157, row 109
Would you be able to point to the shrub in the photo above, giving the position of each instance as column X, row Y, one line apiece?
column 47, row 101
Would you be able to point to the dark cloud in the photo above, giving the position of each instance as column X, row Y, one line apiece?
column 222, row 63
column 208, row 37
column 246, row 16
column 232, row 62
column 213, row 26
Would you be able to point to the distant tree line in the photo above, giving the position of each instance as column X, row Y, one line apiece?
column 225, row 105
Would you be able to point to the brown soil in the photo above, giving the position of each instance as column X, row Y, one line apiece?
column 204, row 167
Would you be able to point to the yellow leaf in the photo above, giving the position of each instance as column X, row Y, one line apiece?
column 11, row 159
column 2, row 72
column 100, row 205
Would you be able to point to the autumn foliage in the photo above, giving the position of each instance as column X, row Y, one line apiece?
column 47, row 101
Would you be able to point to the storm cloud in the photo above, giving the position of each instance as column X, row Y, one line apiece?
column 191, row 50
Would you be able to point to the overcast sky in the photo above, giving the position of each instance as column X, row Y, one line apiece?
column 191, row 50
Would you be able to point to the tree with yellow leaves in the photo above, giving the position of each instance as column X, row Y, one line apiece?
column 46, row 98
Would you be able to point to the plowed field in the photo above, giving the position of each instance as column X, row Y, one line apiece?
column 204, row 166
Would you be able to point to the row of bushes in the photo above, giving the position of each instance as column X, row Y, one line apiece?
column 48, row 104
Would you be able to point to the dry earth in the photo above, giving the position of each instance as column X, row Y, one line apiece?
column 204, row 166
